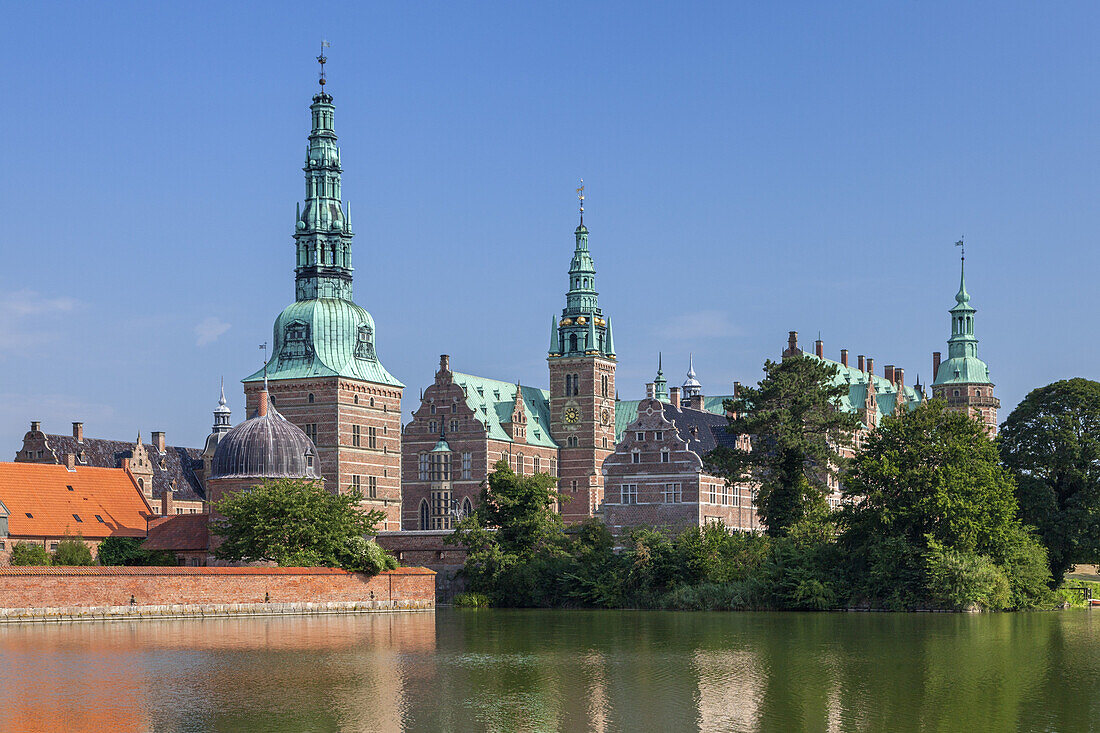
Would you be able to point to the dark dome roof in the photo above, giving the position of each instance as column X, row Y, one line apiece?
column 265, row 446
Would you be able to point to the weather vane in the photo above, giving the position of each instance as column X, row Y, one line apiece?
column 263, row 348
column 580, row 197
column 322, row 59
column 960, row 244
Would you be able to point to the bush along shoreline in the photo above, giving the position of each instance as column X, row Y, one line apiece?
column 932, row 520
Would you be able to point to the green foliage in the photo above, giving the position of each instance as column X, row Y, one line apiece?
column 365, row 556
column 797, row 431
column 72, row 551
column 119, row 551
column 26, row 553
column 930, row 500
column 471, row 600
column 128, row 551
column 1051, row 443
column 298, row 524
column 965, row 581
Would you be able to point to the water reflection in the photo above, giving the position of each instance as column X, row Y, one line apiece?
column 541, row 670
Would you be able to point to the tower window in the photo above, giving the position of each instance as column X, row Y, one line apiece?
column 603, row 383
column 311, row 431
column 372, row 487
column 425, row 515
column 372, row 437
column 372, row 402
column 356, row 437
column 467, row 461
column 309, row 398
column 572, row 342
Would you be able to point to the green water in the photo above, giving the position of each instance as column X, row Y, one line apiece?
column 558, row 670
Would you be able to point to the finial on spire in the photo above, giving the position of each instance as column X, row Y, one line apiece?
column 221, row 400
column 962, row 245
column 322, row 60
column 580, row 197
column 263, row 348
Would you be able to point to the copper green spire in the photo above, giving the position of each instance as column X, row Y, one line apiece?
column 322, row 232
column 963, row 364
column 660, row 384
column 582, row 327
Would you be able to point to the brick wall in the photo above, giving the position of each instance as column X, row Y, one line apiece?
column 31, row 587
column 427, row 549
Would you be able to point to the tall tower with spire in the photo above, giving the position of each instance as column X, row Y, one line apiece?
column 324, row 373
column 582, row 384
column 963, row 380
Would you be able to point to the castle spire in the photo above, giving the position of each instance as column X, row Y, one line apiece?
column 322, row 232
column 660, row 384
column 582, row 326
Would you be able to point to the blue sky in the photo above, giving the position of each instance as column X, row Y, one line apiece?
column 752, row 168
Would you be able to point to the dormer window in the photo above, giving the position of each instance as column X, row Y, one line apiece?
column 364, row 347
column 296, row 341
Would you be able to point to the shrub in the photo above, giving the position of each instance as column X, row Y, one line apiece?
column 72, row 551
column 25, row 553
column 471, row 600
column 965, row 581
column 365, row 556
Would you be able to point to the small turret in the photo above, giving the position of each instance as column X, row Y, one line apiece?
column 691, row 387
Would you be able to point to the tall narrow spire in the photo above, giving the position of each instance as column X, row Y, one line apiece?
column 660, row 384
column 582, row 326
column 322, row 233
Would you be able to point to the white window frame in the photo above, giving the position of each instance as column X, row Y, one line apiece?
column 628, row 493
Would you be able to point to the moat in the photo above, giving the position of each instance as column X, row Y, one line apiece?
column 506, row 670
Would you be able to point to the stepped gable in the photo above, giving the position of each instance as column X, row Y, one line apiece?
column 175, row 467
column 702, row 430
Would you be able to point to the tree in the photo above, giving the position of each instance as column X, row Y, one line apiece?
column 26, row 553
column 798, row 428
column 514, row 539
column 116, row 550
column 931, row 517
column 294, row 523
column 72, row 551
column 1051, row 443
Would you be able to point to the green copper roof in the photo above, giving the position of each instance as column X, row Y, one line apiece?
column 963, row 370
column 582, row 328
column 886, row 393
column 492, row 402
column 323, row 333
column 325, row 337
column 962, row 365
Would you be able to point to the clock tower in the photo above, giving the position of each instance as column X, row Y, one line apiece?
column 582, row 385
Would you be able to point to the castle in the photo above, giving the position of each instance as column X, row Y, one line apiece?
column 618, row 459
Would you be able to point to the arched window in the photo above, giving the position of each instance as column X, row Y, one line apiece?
column 309, row 398
column 603, row 381
column 568, row 383
column 425, row 514
column 372, row 402
column 576, row 383
column 356, row 399
column 572, row 342
column 467, row 507
column 141, row 484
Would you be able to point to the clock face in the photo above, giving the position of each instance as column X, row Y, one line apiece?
column 571, row 415
column 606, row 417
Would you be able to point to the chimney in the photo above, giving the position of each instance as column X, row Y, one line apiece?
column 158, row 440
column 862, row 365
column 166, row 507
column 935, row 368
column 674, row 396
column 70, row 461
column 899, row 378
column 819, row 348
column 126, row 465
column 695, row 402
column 792, row 341
column 844, row 357
column 870, row 365
column 35, row 426
column 888, row 372
column 444, row 363
column 650, row 390
column 261, row 409
column 78, row 431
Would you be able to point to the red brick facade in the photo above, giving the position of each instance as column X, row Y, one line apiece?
column 654, row 478
column 356, row 427
column 116, row 586
column 582, row 421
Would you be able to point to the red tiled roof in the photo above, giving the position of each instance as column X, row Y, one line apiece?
column 179, row 532
column 180, row 570
column 41, row 504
